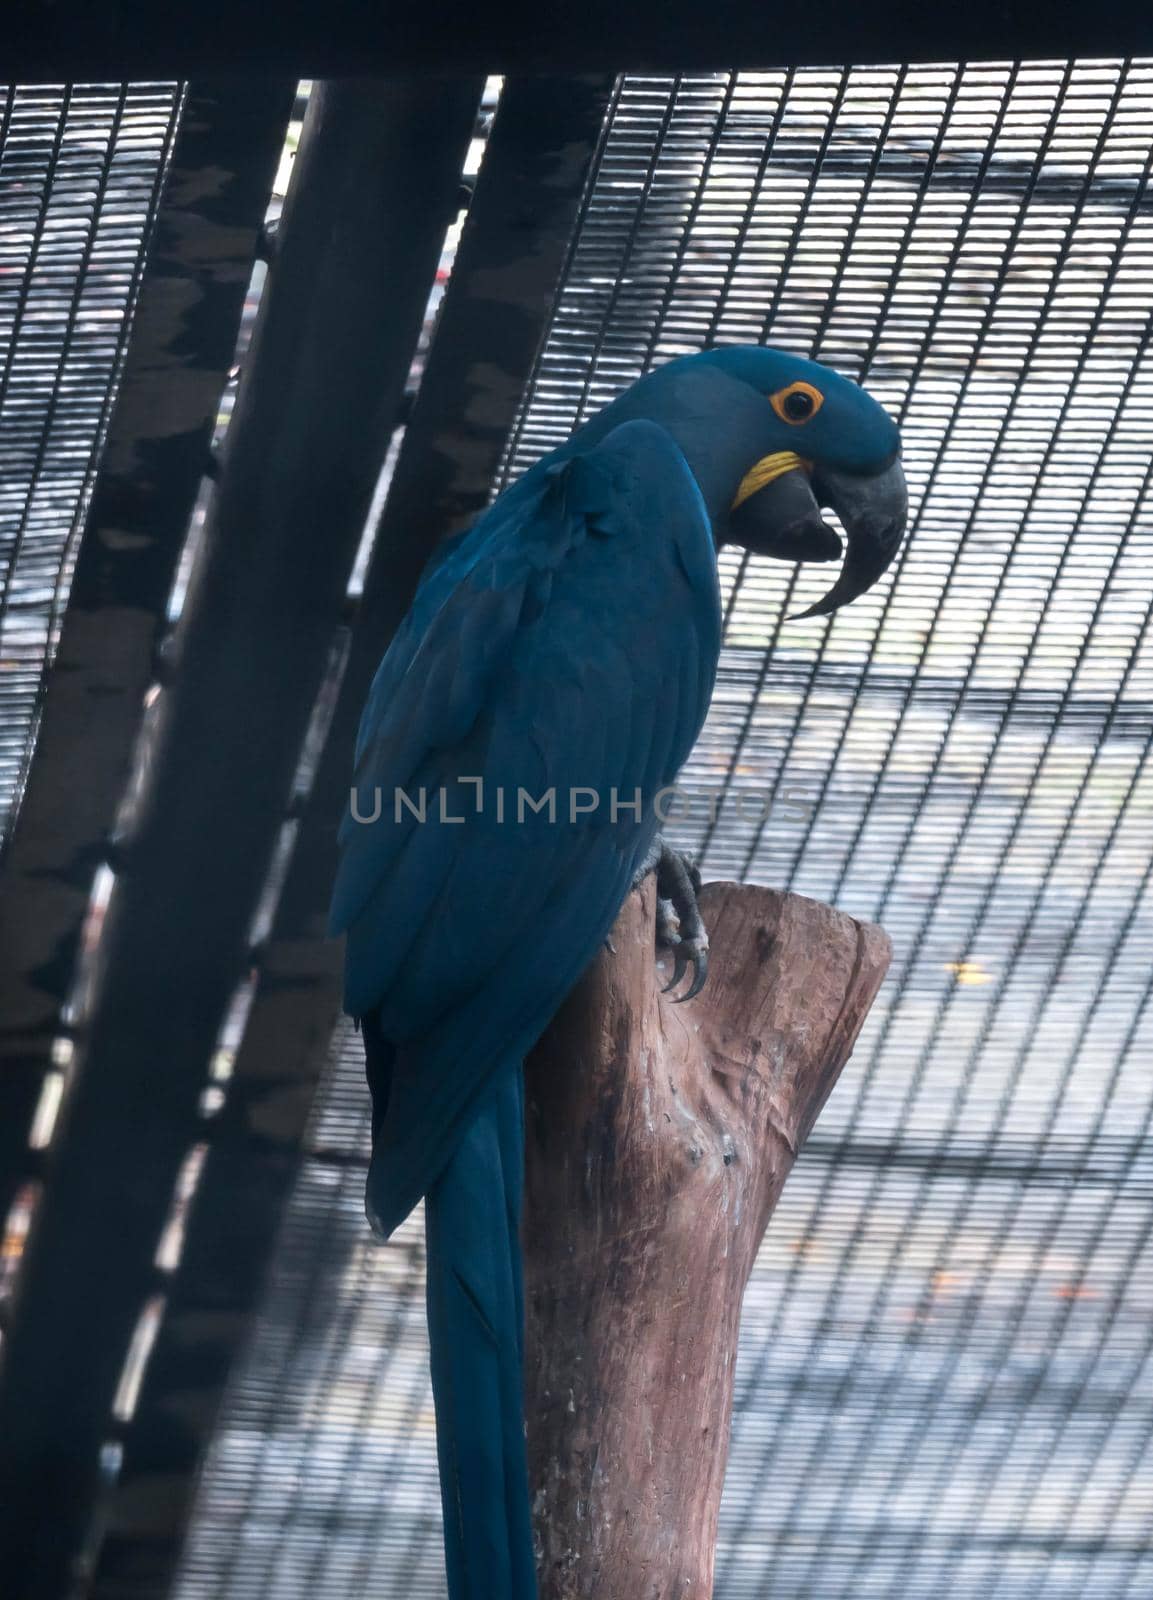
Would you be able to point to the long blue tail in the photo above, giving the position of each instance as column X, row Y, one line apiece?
column 476, row 1334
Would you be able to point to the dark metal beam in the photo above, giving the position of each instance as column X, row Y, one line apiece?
column 493, row 317
column 377, row 180
column 135, row 38
column 182, row 343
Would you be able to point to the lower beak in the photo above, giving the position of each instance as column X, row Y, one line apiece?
column 781, row 519
column 873, row 511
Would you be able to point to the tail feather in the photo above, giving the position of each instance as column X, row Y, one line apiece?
column 476, row 1334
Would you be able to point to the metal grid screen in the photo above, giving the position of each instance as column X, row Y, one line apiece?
column 80, row 175
column 944, row 1383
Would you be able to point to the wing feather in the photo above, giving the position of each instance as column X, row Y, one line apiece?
column 571, row 646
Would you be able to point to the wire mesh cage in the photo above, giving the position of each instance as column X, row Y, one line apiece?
column 80, row 176
column 944, row 1382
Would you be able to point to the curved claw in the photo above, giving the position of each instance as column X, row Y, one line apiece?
column 678, row 920
column 700, row 961
column 680, row 962
column 689, row 951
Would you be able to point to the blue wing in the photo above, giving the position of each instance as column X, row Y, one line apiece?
column 568, row 644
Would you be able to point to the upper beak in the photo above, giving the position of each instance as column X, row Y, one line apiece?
column 777, row 513
column 873, row 512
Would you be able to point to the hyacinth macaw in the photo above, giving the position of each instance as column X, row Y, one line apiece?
column 567, row 643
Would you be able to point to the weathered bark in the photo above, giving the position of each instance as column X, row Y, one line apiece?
column 658, row 1139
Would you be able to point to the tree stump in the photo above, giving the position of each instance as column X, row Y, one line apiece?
column 658, row 1139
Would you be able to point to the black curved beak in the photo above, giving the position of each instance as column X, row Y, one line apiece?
column 873, row 512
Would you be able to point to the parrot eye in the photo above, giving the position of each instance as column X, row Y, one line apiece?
column 797, row 403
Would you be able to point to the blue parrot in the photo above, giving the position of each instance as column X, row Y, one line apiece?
column 548, row 682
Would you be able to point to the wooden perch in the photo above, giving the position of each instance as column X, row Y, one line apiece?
column 658, row 1139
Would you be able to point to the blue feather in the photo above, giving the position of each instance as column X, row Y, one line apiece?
column 568, row 642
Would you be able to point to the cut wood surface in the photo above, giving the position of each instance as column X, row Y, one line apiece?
column 658, row 1139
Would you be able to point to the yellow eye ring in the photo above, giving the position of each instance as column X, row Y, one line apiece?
column 797, row 403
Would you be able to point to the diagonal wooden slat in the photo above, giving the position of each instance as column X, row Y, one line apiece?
column 375, row 186
column 493, row 316
column 182, row 343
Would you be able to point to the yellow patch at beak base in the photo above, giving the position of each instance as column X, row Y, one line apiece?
column 765, row 470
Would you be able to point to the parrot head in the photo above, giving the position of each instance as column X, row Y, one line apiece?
column 771, row 438
column 830, row 444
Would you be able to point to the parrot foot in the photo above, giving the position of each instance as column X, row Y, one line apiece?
column 679, row 925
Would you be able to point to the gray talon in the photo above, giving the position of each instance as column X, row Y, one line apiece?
column 680, row 962
column 700, row 963
column 678, row 919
